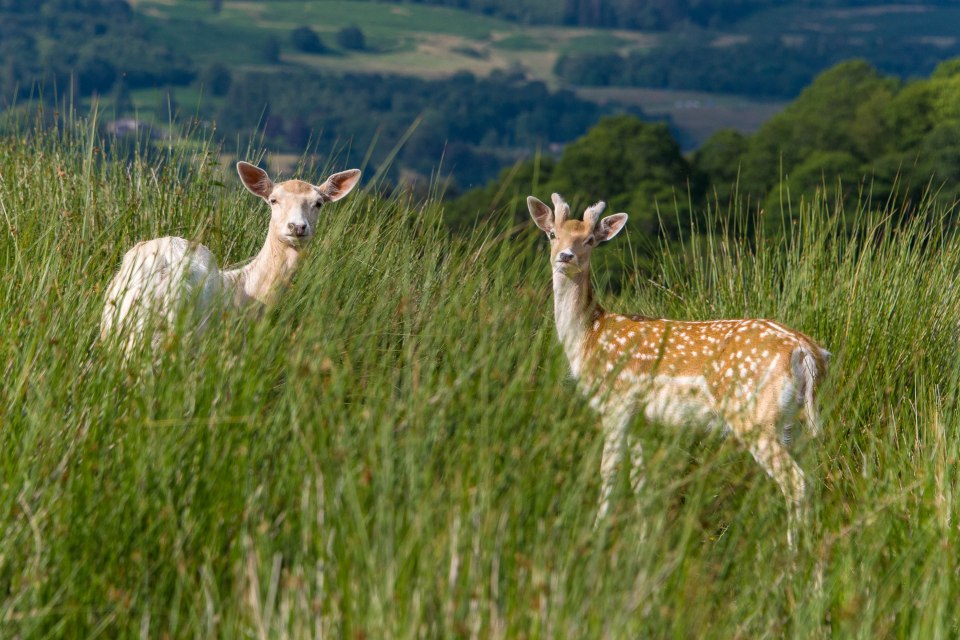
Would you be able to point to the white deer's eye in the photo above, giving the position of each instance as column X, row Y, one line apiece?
column 273, row 201
column 318, row 204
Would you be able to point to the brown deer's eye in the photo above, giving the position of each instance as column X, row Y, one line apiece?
column 552, row 235
column 318, row 204
column 589, row 242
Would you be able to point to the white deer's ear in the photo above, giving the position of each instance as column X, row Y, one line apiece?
column 339, row 184
column 541, row 214
column 255, row 179
column 610, row 226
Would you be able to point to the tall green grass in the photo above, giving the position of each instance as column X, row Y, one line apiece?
column 397, row 450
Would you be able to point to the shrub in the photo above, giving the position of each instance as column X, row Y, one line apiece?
column 351, row 38
column 306, row 39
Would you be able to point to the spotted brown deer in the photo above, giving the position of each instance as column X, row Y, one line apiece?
column 756, row 378
column 158, row 277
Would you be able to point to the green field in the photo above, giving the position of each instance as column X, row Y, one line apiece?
column 397, row 450
column 436, row 42
column 409, row 39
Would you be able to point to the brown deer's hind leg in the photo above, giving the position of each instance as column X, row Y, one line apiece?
column 770, row 454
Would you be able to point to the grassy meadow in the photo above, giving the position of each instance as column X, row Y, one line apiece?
column 396, row 450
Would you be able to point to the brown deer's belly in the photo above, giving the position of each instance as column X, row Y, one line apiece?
column 672, row 400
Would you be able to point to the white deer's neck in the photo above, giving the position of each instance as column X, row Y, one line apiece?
column 574, row 310
column 260, row 280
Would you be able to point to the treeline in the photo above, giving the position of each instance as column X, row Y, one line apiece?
column 92, row 44
column 474, row 125
column 853, row 133
column 656, row 15
column 772, row 65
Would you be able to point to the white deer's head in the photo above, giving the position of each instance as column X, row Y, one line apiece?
column 572, row 241
column 295, row 205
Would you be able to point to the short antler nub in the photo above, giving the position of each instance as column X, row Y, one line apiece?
column 592, row 215
column 561, row 210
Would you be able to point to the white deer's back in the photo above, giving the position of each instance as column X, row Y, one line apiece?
column 155, row 278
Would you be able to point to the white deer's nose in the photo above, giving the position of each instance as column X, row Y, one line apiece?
column 298, row 229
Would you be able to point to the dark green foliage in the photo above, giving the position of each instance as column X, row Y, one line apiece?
column 351, row 38
column 853, row 133
column 644, row 14
column 307, row 40
column 634, row 166
column 95, row 42
column 760, row 66
column 474, row 125
column 856, row 125
column 217, row 78
column 271, row 50
column 122, row 103
column 507, row 193
column 719, row 160
column 837, row 112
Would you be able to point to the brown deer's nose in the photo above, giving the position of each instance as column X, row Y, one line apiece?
column 565, row 256
column 297, row 228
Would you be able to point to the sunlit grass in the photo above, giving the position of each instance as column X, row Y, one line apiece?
column 396, row 449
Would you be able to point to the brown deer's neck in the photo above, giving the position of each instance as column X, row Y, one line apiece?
column 575, row 311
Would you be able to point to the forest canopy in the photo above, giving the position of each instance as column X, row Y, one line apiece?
column 89, row 45
column 852, row 132
column 642, row 14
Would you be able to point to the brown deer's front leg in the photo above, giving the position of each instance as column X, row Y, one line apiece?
column 615, row 427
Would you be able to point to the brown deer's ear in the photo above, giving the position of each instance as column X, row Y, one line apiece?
column 541, row 214
column 592, row 214
column 610, row 226
column 339, row 184
column 255, row 179
column 561, row 210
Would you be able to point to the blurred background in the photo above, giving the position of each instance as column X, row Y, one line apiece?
column 647, row 104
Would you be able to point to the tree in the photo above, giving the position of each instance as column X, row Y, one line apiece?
column 629, row 163
column 95, row 73
column 719, row 161
column 216, row 78
column 351, row 38
column 271, row 50
column 122, row 102
column 306, row 39
column 823, row 118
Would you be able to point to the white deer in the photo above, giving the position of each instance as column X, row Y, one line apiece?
column 754, row 377
column 159, row 277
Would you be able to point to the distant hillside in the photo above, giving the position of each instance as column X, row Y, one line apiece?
column 471, row 126
column 89, row 45
column 486, row 86
column 649, row 14
column 777, row 52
